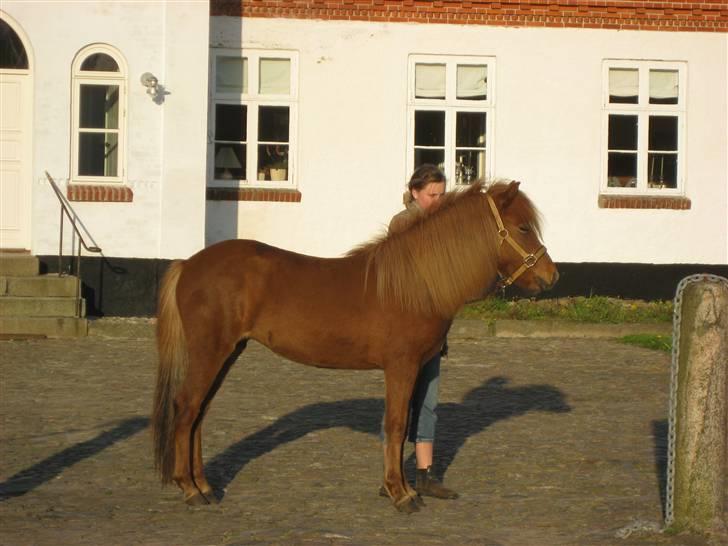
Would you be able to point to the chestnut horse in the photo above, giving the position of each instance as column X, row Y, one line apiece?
column 387, row 304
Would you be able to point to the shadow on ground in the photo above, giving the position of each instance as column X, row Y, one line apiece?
column 47, row 469
column 484, row 405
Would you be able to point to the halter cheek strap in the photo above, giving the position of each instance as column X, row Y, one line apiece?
column 529, row 259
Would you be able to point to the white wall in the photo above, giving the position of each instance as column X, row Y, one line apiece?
column 352, row 135
column 165, row 143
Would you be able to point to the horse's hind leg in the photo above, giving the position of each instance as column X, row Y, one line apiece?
column 206, row 370
column 198, row 472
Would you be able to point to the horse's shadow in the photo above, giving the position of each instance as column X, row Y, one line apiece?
column 484, row 405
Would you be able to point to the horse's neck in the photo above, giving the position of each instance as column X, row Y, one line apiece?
column 454, row 261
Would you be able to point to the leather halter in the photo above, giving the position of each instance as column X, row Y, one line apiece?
column 529, row 259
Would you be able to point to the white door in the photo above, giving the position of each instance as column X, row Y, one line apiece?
column 15, row 147
column 14, row 167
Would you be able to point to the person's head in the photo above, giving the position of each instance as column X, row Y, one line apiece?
column 426, row 185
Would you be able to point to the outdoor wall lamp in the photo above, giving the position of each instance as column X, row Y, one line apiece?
column 150, row 81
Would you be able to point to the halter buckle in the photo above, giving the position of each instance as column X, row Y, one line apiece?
column 530, row 260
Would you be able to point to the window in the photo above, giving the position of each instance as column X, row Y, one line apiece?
column 253, row 118
column 12, row 52
column 450, row 115
column 98, row 118
column 644, row 121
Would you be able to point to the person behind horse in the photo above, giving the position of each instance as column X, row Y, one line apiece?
column 425, row 188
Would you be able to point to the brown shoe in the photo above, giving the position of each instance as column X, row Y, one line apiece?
column 428, row 486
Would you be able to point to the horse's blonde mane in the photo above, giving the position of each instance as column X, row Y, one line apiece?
column 440, row 260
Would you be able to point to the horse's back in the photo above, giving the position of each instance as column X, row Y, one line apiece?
column 302, row 307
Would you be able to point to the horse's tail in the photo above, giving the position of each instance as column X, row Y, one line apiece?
column 173, row 357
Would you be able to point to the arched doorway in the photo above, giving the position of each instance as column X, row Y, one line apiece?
column 16, row 94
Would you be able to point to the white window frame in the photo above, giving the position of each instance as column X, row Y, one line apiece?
column 78, row 78
column 451, row 106
column 643, row 110
column 253, row 100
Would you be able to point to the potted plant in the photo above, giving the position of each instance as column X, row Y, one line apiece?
column 279, row 165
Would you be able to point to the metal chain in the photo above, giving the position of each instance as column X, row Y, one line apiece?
column 672, row 405
column 641, row 525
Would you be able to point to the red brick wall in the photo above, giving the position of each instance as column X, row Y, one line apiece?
column 705, row 16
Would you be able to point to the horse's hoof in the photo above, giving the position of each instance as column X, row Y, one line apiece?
column 198, row 499
column 211, row 497
column 407, row 505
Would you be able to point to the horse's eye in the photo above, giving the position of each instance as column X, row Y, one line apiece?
column 524, row 228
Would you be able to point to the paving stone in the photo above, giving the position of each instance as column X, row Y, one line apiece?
column 548, row 441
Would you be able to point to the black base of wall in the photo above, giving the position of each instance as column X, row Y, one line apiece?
column 628, row 281
column 128, row 287
column 122, row 287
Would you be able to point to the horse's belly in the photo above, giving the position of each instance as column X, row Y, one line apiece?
column 323, row 351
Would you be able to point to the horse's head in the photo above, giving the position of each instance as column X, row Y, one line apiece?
column 522, row 258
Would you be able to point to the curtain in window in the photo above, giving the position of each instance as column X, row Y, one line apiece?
column 231, row 75
column 430, row 81
column 471, row 81
column 623, row 82
column 275, row 77
column 663, row 84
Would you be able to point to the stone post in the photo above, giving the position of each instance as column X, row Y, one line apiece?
column 700, row 501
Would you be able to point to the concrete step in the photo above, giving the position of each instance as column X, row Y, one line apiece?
column 40, row 285
column 18, row 265
column 24, row 306
column 19, row 327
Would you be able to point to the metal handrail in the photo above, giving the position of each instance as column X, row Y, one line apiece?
column 66, row 210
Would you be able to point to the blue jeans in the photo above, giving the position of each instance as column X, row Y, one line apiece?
column 422, row 416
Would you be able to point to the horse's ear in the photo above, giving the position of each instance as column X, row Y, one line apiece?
column 510, row 194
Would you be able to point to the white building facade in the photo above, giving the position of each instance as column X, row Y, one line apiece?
column 132, row 167
column 173, row 125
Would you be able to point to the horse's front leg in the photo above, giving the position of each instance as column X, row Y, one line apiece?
column 399, row 383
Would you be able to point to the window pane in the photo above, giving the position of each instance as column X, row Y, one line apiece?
column 622, row 132
column 429, row 81
column 230, row 122
column 470, row 129
column 231, row 75
column 12, row 52
column 99, row 107
column 230, row 161
column 470, row 166
column 100, row 62
column 663, row 86
column 272, row 162
column 275, row 77
column 471, row 82
column 662, row 170
column 273, row 123
column 429, row 128
column 623, row 85
column 433, row 157
column 98, row 154
column 622, row 170
column 663, row 133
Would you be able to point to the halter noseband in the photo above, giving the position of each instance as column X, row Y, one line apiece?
column 529, row 259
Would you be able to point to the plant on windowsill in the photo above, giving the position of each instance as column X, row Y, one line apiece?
column 278, row 168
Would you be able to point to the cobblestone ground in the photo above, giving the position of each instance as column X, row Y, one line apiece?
column 549, row 441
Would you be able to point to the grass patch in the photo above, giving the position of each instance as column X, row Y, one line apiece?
column 649, row 341
column 597, row 309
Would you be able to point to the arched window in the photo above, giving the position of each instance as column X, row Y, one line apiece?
column 99, row 104
column 12, row 52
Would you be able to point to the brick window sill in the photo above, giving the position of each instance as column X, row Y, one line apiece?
column 644, row 202
column 253, row 194
column 100, row 193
